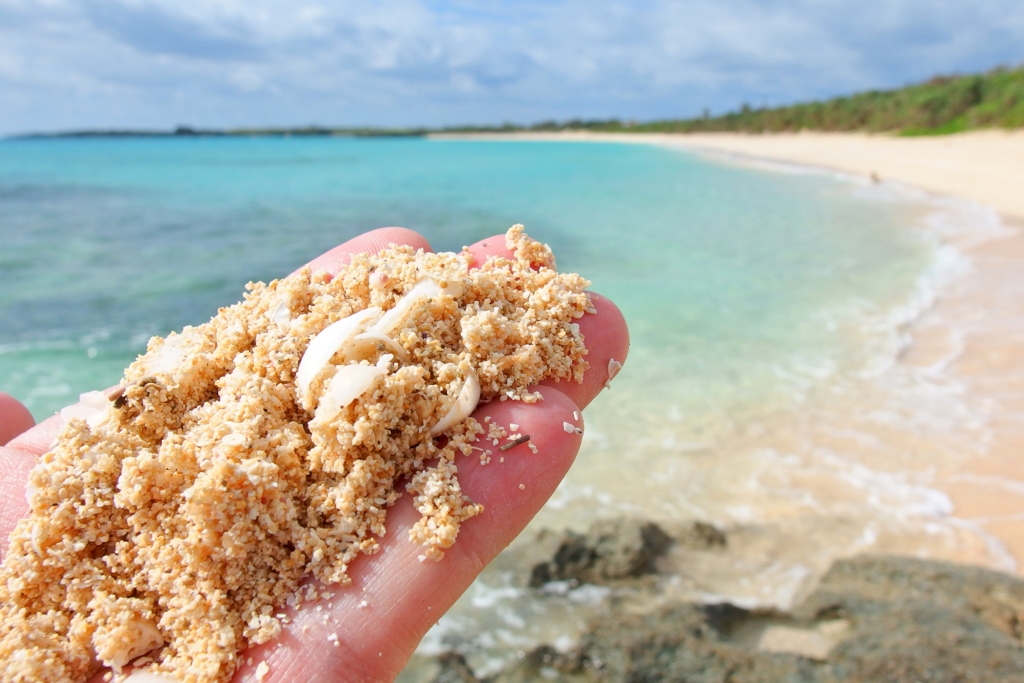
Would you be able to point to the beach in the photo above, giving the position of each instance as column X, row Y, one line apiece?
column 983, row 166
column 823, row 365
column 974, row 333
column 970, row 340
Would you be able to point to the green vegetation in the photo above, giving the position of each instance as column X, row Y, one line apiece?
column 942, row 105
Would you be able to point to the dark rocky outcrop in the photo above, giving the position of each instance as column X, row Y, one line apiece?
column 610, row 553
column 453, row 669
column 881, row 619
column 682, row 643
column 915, row 620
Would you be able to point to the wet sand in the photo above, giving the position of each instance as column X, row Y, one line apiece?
column 987, row 486
column 969, row 345
column 974, row 335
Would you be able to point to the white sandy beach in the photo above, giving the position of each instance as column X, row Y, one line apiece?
column 984, row 166
column 972, row 339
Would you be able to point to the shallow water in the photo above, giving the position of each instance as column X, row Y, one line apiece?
column 725, row 273
column 769, row 310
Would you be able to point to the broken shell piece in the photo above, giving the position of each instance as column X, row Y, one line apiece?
column 465, row 404
column 169, row 356
column 349, row 383
column 77, row 410
column 613, row 369
column 365, row 343
column 116, row 395
column 281, row 313
column 451, row 287
column 31, row 489
column 94, row 399
column 144, row 636
column 325, row 344
column 426, row 288
column 92, row 407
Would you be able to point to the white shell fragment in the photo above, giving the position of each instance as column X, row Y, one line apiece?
column 282, row 313
column 92, row 407
column 465, row 404
column 145, row 637
column 349, row 383
column 375, row 336
column 451, row 287
column 169, row 357
column 426, row 288
column 324, row 345
column 358, row 337
column 613, row 369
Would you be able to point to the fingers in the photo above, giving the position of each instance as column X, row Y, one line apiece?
column 394, row 598
column 607, row 339
column 15, row 465
column 38, row 439
column 367, row 243
column 14, row 418
column 368, row 630
column 16, row 460
column 605, row 333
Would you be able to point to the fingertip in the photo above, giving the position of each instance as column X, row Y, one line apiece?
column 368, row 243
column 15, row 418
column 515, row 483
column 38, row 439
column 606, row 337
column 15, row 466
column 489, row 248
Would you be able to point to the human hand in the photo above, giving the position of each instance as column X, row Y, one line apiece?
column 394, row 598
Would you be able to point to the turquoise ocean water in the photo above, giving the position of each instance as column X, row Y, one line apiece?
column 767, row 309
column 723, row 272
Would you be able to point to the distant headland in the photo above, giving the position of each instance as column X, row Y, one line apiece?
column 941, row 105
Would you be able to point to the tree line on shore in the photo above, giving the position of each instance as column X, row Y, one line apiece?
column 941, row 105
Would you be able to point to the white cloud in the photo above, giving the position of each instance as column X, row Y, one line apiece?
column 136, row 63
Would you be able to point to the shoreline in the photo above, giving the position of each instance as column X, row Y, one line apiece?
column 981, row 166
column 968, row 341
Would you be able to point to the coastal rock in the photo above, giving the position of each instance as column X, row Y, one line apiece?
column 542, row 664
column 453, row 669
column 870, row 620
column 683, row 643
column 611, row 551
column 917, row 620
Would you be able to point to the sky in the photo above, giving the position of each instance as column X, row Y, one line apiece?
column 157, row 64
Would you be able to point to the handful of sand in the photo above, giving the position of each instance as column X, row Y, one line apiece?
column 239, row 457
